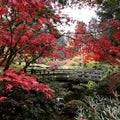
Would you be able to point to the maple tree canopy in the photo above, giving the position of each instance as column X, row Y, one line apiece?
column 98, row 45
column 26, row 29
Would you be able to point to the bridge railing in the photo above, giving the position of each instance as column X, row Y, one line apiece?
column 89, row 74
column 94, row 75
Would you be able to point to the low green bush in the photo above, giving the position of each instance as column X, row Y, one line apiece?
column 71, row 108
column 30, row 105
column 99, row 108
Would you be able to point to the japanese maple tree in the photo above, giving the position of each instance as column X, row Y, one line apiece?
column 26, row 29
column 98, row 45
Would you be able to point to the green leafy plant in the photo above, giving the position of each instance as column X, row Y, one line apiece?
column 99, row 108
column 71, row 107
column 91, row 85
column 23, row 105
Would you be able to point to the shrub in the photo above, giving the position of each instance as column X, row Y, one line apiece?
column 71, row 107
column 99, row 108
column 23, row 105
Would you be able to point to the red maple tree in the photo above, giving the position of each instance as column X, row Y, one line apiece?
column 26, row 29
column 97, row 45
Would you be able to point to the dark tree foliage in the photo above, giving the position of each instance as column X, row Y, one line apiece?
column 109, row 10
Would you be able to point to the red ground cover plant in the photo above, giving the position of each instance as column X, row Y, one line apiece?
column 12, row 78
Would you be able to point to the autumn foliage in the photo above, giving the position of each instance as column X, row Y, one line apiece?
column 97, row 45
column 12, row 79
column 26, row 29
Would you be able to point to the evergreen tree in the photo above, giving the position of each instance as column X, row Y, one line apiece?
column 109, row 10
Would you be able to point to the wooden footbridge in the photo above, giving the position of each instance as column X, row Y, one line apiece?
column 67, row 75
